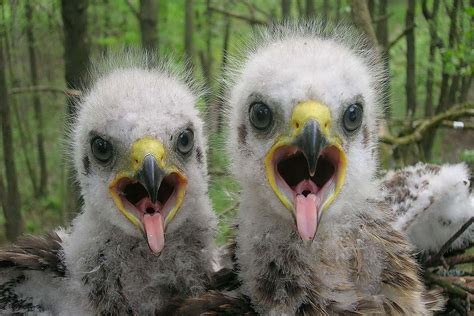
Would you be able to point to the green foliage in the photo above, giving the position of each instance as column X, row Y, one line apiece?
column 468, row 156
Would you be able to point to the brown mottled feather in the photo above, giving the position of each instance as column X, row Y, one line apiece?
column 401, row 287
column 35, row 253
column 210, row 303
column 434, row 300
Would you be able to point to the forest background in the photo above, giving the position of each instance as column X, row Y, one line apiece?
column 45, row 47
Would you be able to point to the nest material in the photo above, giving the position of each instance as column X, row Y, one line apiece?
column 454, row 273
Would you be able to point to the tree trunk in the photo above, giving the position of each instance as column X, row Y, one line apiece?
column 206, row 56
column 300, row 7
column 382, row 38
column 12, row 210
column 43, row 176
column 431, row 18
column 76, row 45
column 326, row 8
column 443, row 99
column 466, row 84
column 225, row 49
column 310, row 9
column 3, row 194
column 325, row 11
column 361, row 17
column 148, row 18
column 444, row 93
column 338, row 10
column 371, row 7
column 410, row 84
column 188, row 32
column 453, row 35
column 76, row 57
column 107, row 27
column 286, row 9
column 24, row 140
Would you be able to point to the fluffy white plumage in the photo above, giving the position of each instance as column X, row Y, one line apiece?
column 108, row 265
column 431, row 203
column 357, row 262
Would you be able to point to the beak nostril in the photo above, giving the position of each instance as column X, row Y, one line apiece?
column 297, row 125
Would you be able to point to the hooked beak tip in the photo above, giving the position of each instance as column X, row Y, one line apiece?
column 311, row 141
column 151, row 176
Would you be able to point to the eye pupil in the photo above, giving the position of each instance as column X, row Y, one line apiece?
column 101, row 149
column 352, row 114
column 352, row 117
column 185, row 141
column 260, row 115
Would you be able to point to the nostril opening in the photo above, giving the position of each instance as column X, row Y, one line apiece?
column 326, row 125
column 297, row 125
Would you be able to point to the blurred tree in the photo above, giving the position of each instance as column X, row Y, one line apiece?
column 410, row 83
column 286, row 9
column 361, row 17
column 446, row 98
column 20, row 122
column 76, row 45
column 148, row 17
column 371, row 6
column 446, row 75
column 325, row 11
column 382, row 39
column 43, row 175
column 338, row 10
column 205, row 55
column 3, row 194
column 431, row 18
column 188, row 31
column 76, row 58
column 12, row 208
column 310, row 9
column 225, row 56
column 455, row 13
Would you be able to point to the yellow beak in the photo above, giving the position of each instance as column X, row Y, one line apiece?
column 148, row 167
column 310, row 134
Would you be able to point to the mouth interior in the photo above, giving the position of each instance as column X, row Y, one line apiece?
column 293, row 170
column 135, row 194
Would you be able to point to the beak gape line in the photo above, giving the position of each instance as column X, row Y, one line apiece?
column 149, row 193
column 306, row 168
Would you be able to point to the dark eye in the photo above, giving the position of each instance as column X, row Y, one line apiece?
column 101, row 149
column 185, row 141
column 352, row 117
column 260, row 115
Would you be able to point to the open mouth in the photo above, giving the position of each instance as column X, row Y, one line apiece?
column 134, row 195
column 133, row 198
column 306, row 193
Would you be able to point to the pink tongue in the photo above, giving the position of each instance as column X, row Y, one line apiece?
column 154, row 231
column 307, row 215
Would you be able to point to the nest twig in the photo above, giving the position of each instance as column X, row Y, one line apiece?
column 443, row 270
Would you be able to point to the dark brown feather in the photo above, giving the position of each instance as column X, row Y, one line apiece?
column 226, row 279
column 35, row 253
column 210, row 303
